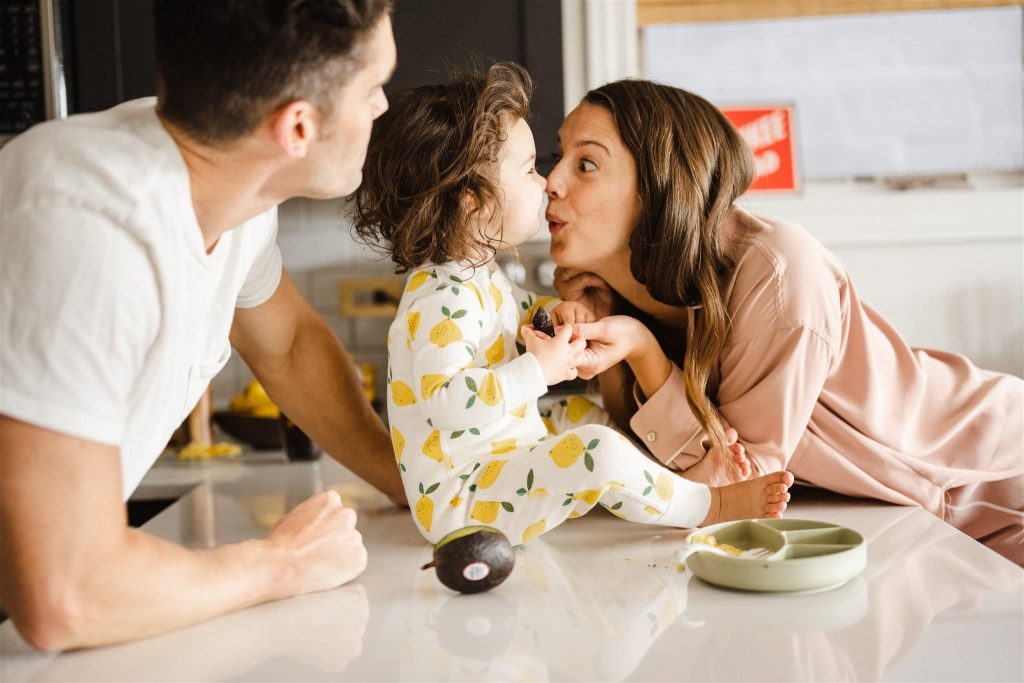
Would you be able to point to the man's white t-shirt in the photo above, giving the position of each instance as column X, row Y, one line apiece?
column 113, row 318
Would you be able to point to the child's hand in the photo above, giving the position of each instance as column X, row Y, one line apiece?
column 557, row 355
column 570, row 313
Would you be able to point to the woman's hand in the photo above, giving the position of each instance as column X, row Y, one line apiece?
column 586, row 288
column 558, row 356
column 611, row 340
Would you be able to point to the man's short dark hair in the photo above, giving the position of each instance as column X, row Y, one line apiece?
column 224, row 65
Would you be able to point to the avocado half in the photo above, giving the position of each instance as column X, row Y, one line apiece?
column 473, row 559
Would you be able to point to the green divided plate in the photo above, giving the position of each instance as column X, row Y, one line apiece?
column 806, row 555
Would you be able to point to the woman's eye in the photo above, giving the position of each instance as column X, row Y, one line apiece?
column 586, row 165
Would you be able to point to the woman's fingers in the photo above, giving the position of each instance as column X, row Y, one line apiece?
column 571, row 284
column 596, row 331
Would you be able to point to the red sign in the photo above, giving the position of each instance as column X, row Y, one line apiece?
column 769, row 133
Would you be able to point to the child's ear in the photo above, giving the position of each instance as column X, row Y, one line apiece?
column 478, row 212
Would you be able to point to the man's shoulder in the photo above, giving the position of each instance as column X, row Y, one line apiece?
column 109, row 160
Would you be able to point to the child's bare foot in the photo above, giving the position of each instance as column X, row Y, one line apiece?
column 762, row 497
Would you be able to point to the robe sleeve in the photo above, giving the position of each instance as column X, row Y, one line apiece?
column 770, row 386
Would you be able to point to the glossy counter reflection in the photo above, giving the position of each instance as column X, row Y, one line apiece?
column 597, row 599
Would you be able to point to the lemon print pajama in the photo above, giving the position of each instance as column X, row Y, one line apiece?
column 470, row 442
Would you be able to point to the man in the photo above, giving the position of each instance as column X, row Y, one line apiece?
column 134, row 242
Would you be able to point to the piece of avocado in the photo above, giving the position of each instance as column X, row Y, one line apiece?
column 473, row 559
column 542, row 321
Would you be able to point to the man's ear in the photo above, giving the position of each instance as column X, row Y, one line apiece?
column 294, row 127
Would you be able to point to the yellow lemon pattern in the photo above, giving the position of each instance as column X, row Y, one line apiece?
column 485, row 511
column 490, row 474
column 412, row 324
column 398, row 442
column 503, row 446
column 425, row 506
column 496, row 352
column 432, row 446
column 401, row 393
column 431, row 383
column 459, row 396
column 534, row 530
column 577, row 407
column 496, row 295
column 445, row 332
column 416, row 280
column 569, row 449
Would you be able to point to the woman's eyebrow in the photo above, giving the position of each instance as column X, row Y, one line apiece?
column 583, row 143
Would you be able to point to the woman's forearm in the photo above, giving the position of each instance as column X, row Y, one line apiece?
column 649, row 363
column 617, row 395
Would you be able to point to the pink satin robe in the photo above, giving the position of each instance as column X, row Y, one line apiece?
column 817, row 382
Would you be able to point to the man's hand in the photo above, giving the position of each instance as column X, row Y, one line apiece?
column 319, row 539
column 558, row 355
column 585, row 288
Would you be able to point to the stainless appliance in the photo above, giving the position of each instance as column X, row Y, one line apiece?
column 32, row 87
column 61, row 57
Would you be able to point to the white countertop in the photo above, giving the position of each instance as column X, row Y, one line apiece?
column 597, row 599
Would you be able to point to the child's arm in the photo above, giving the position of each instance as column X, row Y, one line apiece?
column 448, row 389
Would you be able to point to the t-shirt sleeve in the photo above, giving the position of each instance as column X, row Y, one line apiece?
column 265, row 274
column 79, row 310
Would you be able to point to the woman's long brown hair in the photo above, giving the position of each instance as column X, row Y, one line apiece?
column 691, row 165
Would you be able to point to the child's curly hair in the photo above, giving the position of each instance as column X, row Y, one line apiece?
column 436, row 147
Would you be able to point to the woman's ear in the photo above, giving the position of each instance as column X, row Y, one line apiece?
column 294, row 127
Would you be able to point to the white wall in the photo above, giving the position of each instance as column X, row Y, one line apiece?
column 877, row 94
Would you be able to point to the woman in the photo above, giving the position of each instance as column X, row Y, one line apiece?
column 738, row 321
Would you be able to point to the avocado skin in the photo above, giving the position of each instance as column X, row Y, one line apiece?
column 484, row 544
column 542, row 321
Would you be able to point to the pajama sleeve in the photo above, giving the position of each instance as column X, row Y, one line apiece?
column 455, row 388
column 769, row 388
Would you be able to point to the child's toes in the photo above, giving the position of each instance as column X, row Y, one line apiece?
column 772, row 489
column 775, row 507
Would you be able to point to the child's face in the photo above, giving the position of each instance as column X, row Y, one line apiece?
column 521, row 186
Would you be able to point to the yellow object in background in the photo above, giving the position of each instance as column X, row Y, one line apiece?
column 206, row 451
column 254, row 401
column 369, row 380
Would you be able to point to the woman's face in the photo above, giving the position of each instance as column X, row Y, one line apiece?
column 592, row 194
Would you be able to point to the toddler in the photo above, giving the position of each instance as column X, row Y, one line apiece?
column 450, row 179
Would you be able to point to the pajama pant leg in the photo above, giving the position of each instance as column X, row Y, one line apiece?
column 529, row 491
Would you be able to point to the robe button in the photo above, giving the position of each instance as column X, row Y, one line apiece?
column 651, row 436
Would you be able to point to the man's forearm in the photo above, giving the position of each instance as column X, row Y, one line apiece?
column 318, row 388
column 153, row 586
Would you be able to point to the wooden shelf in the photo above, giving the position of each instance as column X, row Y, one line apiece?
column 690, row 11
